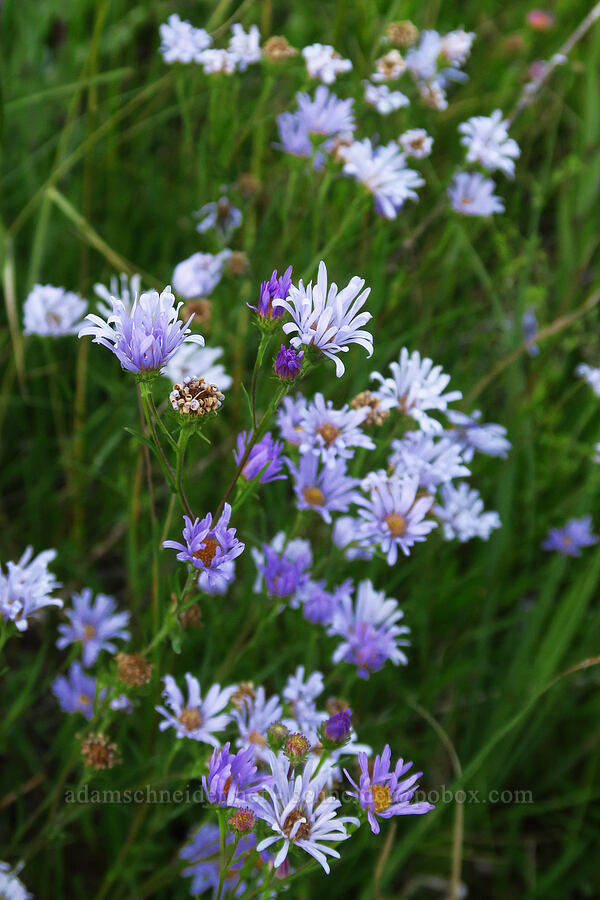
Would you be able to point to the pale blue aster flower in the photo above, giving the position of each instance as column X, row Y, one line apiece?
column 289, row 418
column 95, row 624
column 181, row 42
column 252, row 716
column 76, row 692
column 393, row 517
column 333, row 433
column 295, row 137
column 11, row 887
column 199, row 274
column 324, row 62
column 202, row 852
column 383, row 171
column 369, row 630
column 245, row 45
column 326, row 114
column 488, row 143
column 52, row 311
column 462, row 515
column 590, row 375
column 123, row 287
column 195, row 718
column 383, row 793
column 572, row 537
column 487, row 438
column 473, row 195
column 344, row 535
column 383, row 99
column 221, row 215
column 192, row 361
column 433, row 460
column 324, row 490
column 27, row 587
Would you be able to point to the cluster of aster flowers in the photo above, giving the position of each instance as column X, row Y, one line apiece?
column 181, row 42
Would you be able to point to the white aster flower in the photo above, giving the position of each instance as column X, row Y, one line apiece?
column 197, row 719
column 192, row 361
column 383, row 172
column 422, row 60
column 589, row 375
column 324, row 63
column 432, row 460
column 296, row 814
column 333, row 433
column 52, row 311
column 383, row 99
column 245, row 46
column 123, row 288
column 218, row 60
column 181, row 42
column 393, row 517
column 11, row 888
column 462, row 516
column 487, row 142
column 416, row 142
column 326, row 319
column 415, row 387
column 198, row 275
column 456, row 46
column 27, row 587
column 473, row 195
column 344, row 536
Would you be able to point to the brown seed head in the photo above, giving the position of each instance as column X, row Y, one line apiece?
column 98, row 752
column 195, row 397
column 133, row 669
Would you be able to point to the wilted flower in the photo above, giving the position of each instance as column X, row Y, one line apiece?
column 207, row 546
column 76, row 692
column 384, row 173
column 199, row 274
column 389, row 67
column 197, row 719
column 383, row 99
column 242, row 821
column 328, row 320
column 382, row 794
column 133, row 669
column 376, row 415
column 278, row 48
column 324, row 63
column 402, row 33
column 369, row 630
column 569, row 540
column 95, row 624
column 488, row 143
column 195, row 397
column 27, row 587
column 181, row 42
column 52, row 311
column 416, row 142
column 265, row 455
column 462, row 515
column 473, row 195
column 325, row 491
column 192, row 361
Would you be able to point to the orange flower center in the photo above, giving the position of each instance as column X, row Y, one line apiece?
column 190, row 718
column 382, row 797
column 329, row 433
column 314, row 496
column 396, row 523
column 207, row 553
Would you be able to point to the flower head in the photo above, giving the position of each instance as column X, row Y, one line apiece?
column 297, row 815
column 383, row 99
column 232, row 776
column 284, row 566
column 473, row 195
column 385, row 793
column 264, row 455
column 242, row 821
column 326, row 114
column 333, row 433
column 383, row 171
column 197, row 719
column 144, row 339
column 487, row 438
column 288, row 363
column 221, row 215
column 181, row 42
column 488, row 143
column 431, row 459
column 325, row 491
column 52, row 311
column 76, row 692
column 416, row 142
column 208, row 547
column 369, row 630
column 95, row 624
column 253, row 718
column 244, row 45
column 393, row 516
column 462, row 515
column 289, row 418
column 199, row 274
column 27, row 587
column 324, row 63
column 195, row 397
column 569, row 540
column 389, row 67
column 327, row 319
column 277, row 287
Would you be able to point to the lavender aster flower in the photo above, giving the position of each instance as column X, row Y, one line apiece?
column 11, row 887
column 52, row 311
column 333, row 433
column 369, row 630
column 122, row 287
column 296, row 815
column 197, row 719
column 27, row 587
column 199, row 274
column 232, row 776
column 462, row 516
column 192, row 361
column 220, row 215
column 289, row 418
column 488, row 143
column 295, row 138
column 383, row 99
column 76, row 692
column 208, row 547
column 473, row 195
column 202, row 852
column 319, row 605
column 266, row 454
column 345, row 532
column 416, row 386
column 326, row 114
column 288, row 363
column 393, row 516
column 326, row 491
column 430, row 459
column 284, row 566
column 326, row 319
column 253, row 717
column 384, row 173
column 324, row 63
column 383, row 794
column 145, row 339
column 95, row 624
column 569, row 540
column 277, row 287
column 488, row 438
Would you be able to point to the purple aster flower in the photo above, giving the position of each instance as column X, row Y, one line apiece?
column 369, row 630
column 202, row 852
column 276, row 286
column 197, row 719
column 333, row 433
column 289, row 419
column 76, row 692
column 208, row 547
column 393, row 516
column 569, row 539
column 318, row 604
column 27, row 587
column 145, row 338
column 284, row 566
column 326, row 114
column 295, row 137
column 95, row 624
column 325, row 491
column 383, row 794
column 473, row 195
column 288, row 363
column 489, row 438
column 216, row 583
column 337, row 728
column 232, row 777
column 266, row 454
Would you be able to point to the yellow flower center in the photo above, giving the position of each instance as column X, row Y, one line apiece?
column 382, row 797
column 314, row 496
column 396, row 523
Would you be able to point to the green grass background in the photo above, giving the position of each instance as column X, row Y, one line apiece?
column 105, row 153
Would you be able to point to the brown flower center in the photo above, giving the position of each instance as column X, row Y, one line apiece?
column 314, row 496
column 382, row 797
column 303, row 831
column 89, row 632
column 190, row 718
column 255, row 737
column 396, row 523
column 207, row 553
column 329, row 433
column 85, row 700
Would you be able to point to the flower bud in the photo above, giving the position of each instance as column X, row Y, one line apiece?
column 277, row 735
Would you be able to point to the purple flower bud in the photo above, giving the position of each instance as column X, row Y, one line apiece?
column 288, row 363
column 275, row 288
column 337, row 728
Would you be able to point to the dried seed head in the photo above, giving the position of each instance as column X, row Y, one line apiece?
column 195, row 397
column 133, row 669
column 191, row 617
column 244, row 696
column 278, row 48
column 238, row 263
column 201, row 309
column 402, row 34
column 98, row 752
column 376, row 415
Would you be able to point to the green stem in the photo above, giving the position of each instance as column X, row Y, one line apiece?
column 184, row 436
column 156, row 415
column 222, row 855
